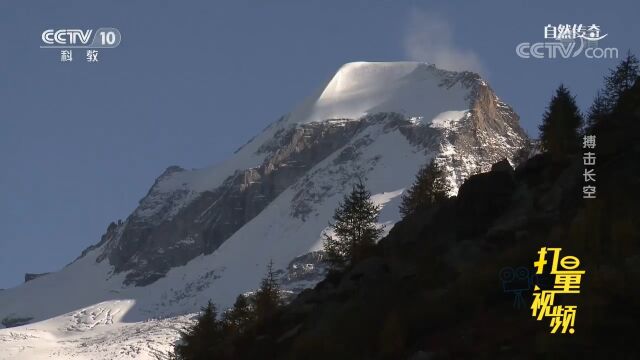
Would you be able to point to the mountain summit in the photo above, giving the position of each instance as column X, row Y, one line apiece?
column 208, row 233
column 364, row 88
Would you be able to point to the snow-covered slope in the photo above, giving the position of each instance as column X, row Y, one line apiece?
column 362, row 88
column 209, row 233
column 96, row 332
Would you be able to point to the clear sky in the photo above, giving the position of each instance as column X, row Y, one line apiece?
column 81, row 143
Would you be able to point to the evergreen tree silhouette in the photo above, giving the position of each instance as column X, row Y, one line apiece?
column 429, row 187
column 239, row 318
column 268, row 297
column 598, row 110
column 201, row 340
column 620, row 80
column 355, row 231
column 561, row 123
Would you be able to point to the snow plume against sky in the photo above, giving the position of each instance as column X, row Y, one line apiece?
column 429, row 37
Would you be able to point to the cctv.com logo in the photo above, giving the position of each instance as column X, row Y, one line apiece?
column 568, row 42
column 553, row 50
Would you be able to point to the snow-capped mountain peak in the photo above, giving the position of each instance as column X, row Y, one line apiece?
column 361, row 88
column 208, row 233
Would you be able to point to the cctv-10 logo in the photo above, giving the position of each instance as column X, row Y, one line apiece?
column 76, row 38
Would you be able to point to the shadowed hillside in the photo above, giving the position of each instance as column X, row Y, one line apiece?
column 431, row 289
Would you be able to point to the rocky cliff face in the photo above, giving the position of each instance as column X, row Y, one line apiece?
column 162, row 234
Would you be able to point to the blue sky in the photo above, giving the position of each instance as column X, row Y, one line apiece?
column 81, row 143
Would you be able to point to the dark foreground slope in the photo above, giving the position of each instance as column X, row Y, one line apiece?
column 433, row 291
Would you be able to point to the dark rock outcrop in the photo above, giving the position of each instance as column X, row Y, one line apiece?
column 482, row 198
column 9, row 322
column 32, row 276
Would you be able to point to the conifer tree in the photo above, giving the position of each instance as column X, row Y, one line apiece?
column 620, row 79
column 430, row 186
column 267, row 298
column 598, row 110
column 561, row 124
column 201, row 340
column 355, row 229
column 239, row 318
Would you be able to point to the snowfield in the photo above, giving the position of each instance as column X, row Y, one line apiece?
column 96, row 332
column 363, row 88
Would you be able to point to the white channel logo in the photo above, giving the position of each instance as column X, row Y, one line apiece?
column 77, row 38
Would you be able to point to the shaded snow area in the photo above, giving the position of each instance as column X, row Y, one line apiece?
column 85, row 310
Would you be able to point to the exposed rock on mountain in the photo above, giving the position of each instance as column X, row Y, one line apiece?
column 175, row 223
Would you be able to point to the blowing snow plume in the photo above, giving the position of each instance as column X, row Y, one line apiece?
column 428, row 37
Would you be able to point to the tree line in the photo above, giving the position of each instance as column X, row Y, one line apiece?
column 351, row 238
column 563, row 124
